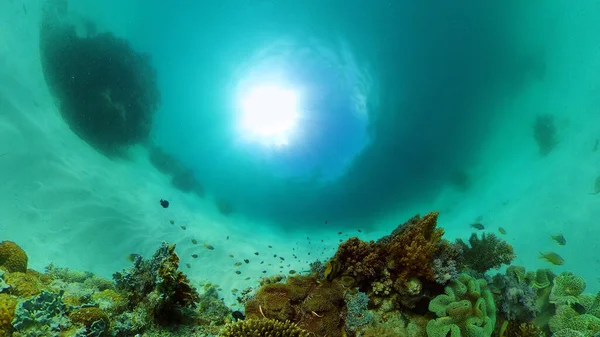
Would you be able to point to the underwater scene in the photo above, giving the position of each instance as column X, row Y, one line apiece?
column 316, row 168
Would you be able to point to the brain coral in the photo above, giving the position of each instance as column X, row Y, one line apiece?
column 12, row 257
column 262, row 328
column 466, row 309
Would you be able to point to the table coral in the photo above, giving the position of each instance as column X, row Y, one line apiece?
column 12, row 257
column 466, row 309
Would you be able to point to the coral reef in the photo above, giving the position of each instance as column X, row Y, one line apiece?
column 263, row 328
column 159, row 284
column 358, row 314
column 466, row 309
column 317, row 307
column 45, row 311
column 567, row 288
column 514, row 297
column 398, row 264
column 481, row 255
column 12, row 257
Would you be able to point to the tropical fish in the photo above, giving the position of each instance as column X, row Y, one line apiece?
column 238, row 272
column 230, row 255
column 133, row 257
column 478, row 226
column 292, row 272
column 256, row 253
column 172, row 222
column 234, row 290
column 559, row 238
column 209, row 247
column 247, row 278
column 183, row 227
column 246, row 260
column 194, row 241
column 501, row 230
column 237, row 264
column 553, row 258
column 195, row 256
column 188, row 265
column 164, row 203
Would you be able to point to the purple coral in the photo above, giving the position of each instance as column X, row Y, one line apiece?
column 444, row 270
column 516, row 299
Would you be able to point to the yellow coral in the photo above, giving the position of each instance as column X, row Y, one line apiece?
column 89, row 315
column 12, row 257
column 110, row 300
column 8, row 304
column 23, row 284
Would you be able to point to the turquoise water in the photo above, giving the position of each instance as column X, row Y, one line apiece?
column 367, row 114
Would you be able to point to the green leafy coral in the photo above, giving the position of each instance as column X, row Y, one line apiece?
column 567, row 288
column 466, row 309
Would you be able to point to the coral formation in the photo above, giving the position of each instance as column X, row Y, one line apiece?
column 12, row 257
column 358, row 315
column 317, row 307
column 514, row 297
column 8, row 303
column 489, row 252
column 567, row 288
column 159, row 281
column 43, row 311
column 263, row 328
column 466, row 309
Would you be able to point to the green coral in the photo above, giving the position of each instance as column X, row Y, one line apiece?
column 262, row 328
column 466, row 309
column 567, row 318
column 567, row 288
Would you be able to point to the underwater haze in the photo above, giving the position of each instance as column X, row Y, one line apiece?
column 259, row 136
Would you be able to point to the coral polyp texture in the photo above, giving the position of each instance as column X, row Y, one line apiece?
column 411, row 283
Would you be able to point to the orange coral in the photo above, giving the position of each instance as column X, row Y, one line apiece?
column 409, row 255
column 399, row 261
column 12, row 257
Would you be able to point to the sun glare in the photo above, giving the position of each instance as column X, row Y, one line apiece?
column 269, row 114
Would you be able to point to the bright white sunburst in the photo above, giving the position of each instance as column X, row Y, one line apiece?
column 269, row 114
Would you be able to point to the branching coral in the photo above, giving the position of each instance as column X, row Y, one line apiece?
column 394, row 262
column 263, row 328
column 466, row 309
column 486, row 253
column 158, row 281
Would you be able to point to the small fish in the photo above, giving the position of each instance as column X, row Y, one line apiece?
column 133, row 257
column 234, row 290
column 230, row 255
column 237, row 264
column 164, row 203
column 341, row 240
column 326, row 222
column 194, row 241
column 281, row 257
column 172, row 222
column 188, row 265
column 339, row 233
column 195, row 256
column 270, row 246
column 227, row 237
column 238, row 315
column 553, row 258
column 247, row 278
column 261, row 262
column 292, row 272
column 209, row 247
column 238, row 272
column 359, row 231
column 264, row 271
column 246, row 260
column 183, row 227
column 501, row 230
column 559, row 238
column 478, row 226
column 274, row 255
column 256, row 253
